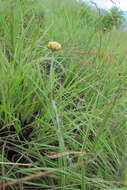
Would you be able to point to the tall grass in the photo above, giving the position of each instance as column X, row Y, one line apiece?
column 64, row 110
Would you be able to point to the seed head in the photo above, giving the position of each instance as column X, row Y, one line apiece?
column 54, row 46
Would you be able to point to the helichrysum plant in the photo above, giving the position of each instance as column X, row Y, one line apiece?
column 54, row 46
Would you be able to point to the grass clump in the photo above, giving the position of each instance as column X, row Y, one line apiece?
column 62, row 114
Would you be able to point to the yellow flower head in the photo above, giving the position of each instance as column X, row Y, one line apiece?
column 54, row 46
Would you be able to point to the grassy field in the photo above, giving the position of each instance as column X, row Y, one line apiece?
column 63, row 115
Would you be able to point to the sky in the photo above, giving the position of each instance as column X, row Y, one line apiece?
column 107, row 4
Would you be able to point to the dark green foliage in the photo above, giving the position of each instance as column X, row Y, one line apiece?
column 112, row 19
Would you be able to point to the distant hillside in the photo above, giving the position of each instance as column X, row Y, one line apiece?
column 125, row 24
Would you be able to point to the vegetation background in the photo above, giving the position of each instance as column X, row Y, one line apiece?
column 63, row 115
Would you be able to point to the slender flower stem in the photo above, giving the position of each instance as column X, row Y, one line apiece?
column 52, row 76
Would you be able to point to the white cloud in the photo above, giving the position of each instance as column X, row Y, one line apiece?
column 123, row 5
column 107, row 4
column 103, row 4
